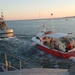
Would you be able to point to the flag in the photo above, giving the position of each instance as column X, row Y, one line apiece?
column 51, row 14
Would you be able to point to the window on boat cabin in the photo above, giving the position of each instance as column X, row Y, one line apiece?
column 37, row 37
column 66, row 40
column 45, row 40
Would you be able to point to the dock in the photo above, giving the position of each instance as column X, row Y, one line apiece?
column 37, row 71
column 8, row 69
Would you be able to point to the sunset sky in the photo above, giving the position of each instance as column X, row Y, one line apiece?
column 35, row 9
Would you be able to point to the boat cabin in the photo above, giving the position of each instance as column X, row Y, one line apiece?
column 2, row 25
column 58, row 41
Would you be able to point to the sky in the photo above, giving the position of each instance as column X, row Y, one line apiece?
column 36, row 9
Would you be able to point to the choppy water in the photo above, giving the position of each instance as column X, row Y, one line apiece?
column 21, row 47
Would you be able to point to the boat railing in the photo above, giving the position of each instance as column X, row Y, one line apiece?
column 21, row 61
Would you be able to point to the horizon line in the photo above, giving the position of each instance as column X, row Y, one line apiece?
column 43, row 18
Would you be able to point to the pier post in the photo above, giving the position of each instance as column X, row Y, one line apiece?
column 9, row 64
column 6, row 62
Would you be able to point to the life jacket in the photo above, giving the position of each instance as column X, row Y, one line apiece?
column 70, row 46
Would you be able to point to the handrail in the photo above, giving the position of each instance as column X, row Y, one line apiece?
column 21, row 59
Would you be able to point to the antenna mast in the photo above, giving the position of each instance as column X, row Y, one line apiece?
column 44, row 27
column 2, row 14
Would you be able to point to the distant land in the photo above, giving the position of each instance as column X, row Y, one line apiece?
column 44, row 18
column 69, row 17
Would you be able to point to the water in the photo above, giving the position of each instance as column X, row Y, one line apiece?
column 21, row 47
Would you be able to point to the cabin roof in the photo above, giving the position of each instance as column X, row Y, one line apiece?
column 57, row 35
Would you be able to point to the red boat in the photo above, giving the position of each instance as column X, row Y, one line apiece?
column 58, row 44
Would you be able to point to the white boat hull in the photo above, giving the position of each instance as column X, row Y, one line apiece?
column 6, row 33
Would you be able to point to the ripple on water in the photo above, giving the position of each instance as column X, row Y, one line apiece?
column 30, row 55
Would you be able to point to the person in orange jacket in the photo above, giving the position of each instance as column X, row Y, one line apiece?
column 69, row 46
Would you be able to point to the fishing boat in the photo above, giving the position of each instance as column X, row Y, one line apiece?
column 58, row 44
column 4, row 31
